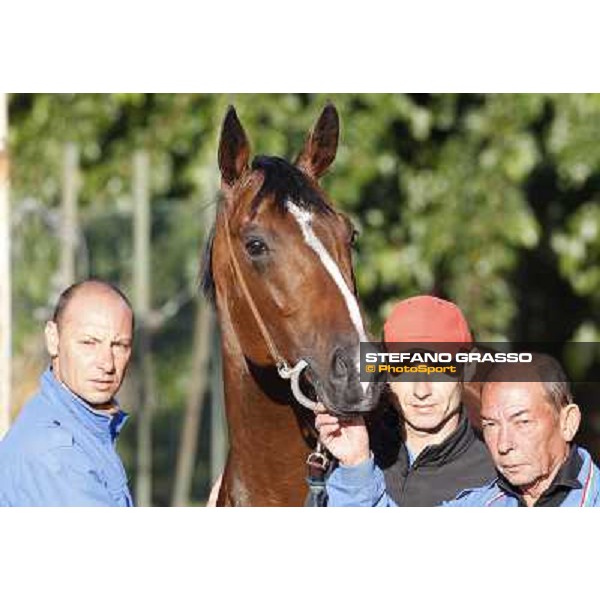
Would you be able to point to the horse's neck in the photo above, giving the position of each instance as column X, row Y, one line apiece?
column 266, row 462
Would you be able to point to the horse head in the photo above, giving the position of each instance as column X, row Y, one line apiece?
column 280, row 266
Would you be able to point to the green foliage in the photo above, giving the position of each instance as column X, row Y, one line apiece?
column 437, row 184
column 578, row 248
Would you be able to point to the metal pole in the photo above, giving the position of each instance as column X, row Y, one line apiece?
column 5, row 284
column 141, row 284
column 69, row 225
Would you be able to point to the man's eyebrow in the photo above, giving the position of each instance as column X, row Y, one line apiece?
column 519, row 413
column 92, row 336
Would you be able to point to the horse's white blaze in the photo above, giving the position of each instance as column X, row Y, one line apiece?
column 304, row 218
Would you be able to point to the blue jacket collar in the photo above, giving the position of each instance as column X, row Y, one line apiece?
column 99, row 423
column 588, row 494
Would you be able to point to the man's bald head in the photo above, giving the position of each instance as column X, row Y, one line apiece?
column 90, row 340
column 92, row 289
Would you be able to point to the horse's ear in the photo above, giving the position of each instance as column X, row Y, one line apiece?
column 321, row 144
column 234, row 149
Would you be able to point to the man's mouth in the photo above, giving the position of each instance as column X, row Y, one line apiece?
column 102, row 382
column 423, row 407
column 510, row 468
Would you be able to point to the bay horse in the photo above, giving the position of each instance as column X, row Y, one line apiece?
column 278, row 266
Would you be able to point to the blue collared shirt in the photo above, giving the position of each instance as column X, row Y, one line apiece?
column 61, row 452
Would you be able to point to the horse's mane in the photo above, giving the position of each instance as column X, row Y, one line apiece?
column 284, row 182
column 207, row 281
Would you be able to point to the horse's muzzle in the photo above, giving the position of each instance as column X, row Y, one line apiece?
column 340, row 388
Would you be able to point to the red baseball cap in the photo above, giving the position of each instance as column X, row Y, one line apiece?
column 426, row 319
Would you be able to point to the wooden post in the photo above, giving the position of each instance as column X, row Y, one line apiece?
column 69, row 224
column 198, row 384
column 5, row 283
column 141, row 285
column 200, row 377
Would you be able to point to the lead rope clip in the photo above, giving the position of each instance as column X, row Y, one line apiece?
column 318, row 459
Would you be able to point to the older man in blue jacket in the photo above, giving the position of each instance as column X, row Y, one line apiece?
column 529, row 421
column 61, row 449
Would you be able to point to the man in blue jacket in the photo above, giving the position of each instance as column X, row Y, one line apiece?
column 421, row 436
column 61, row 449
column 529, row 421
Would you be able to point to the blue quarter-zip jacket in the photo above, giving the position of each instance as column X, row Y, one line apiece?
column 61, row 452
column 364, row 485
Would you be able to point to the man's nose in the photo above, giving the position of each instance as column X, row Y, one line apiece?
column 106, row 359
column 505, row 442
column 422, row 388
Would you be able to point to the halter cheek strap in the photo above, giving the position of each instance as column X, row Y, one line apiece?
column 317, row 462
column 283, row 368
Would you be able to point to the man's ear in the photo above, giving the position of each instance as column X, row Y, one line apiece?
column 51, row 334
column 570, row 419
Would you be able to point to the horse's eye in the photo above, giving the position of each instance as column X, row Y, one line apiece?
column 256, row 248
column 354, row 237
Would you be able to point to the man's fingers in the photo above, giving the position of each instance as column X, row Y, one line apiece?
column 325, row 419
column 329, row 430
column 352, row 422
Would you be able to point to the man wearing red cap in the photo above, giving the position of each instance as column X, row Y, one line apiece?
column 428, row 450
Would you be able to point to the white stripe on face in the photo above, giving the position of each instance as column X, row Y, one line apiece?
column 304, row 218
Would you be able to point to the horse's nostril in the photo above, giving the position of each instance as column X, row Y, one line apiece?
column 339, row 367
